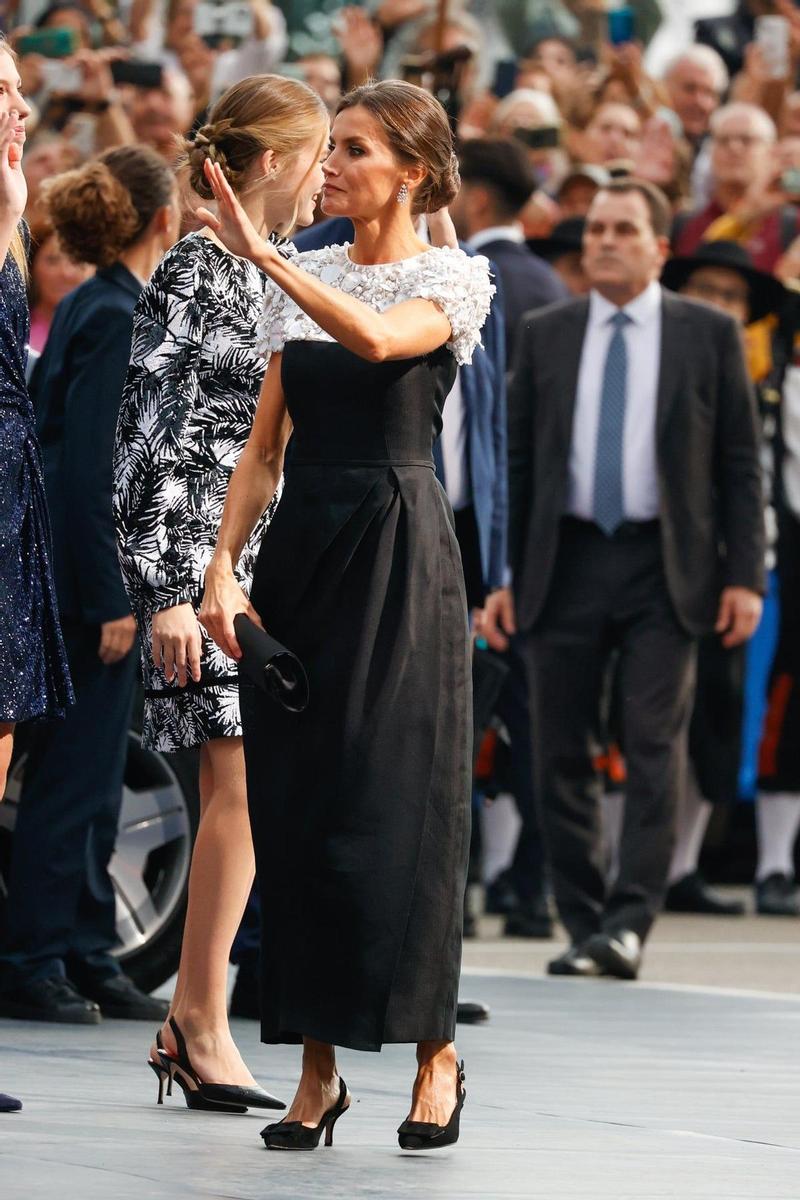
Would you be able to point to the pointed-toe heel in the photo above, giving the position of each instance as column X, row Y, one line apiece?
column 427, row 1135
column 160, row 1063
column 209, row 1097
column 294, row 1135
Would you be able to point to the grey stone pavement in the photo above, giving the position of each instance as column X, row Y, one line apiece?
column 681, row 1086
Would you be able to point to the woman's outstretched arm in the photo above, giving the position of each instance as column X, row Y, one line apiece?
column 409, row 329
column 252, row 486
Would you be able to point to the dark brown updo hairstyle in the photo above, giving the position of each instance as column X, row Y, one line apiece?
column 103, row 207
column 260, row 113
column 418, row 131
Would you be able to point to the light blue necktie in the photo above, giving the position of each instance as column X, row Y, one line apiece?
column 609, row 501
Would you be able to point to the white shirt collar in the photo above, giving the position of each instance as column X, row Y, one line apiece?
column 496, row 233
column 643, row 309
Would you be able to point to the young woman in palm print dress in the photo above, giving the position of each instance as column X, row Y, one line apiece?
column 187, row 409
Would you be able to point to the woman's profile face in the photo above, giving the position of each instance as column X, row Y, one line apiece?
column 11, row 97
column 300, row 183
column 362, row 175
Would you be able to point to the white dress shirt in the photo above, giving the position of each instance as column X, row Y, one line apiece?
column 643, row 345
column 454, row 448
column 496, row 233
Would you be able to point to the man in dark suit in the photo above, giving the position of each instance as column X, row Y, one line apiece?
column 635, row 526
column 55, row 960
column 497, row 181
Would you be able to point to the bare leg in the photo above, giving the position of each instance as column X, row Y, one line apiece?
column 7, row 1103
column 221, row 877
column 6, row 746
column 318, row 1089
column 434, row 1096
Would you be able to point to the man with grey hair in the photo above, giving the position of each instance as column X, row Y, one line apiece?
column 696, row 80
column 742, row 167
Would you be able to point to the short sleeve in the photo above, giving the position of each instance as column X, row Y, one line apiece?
column 282, row 320
column 272, row 328
column 461, row 286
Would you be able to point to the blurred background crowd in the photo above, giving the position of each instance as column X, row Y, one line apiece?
column 550, row 100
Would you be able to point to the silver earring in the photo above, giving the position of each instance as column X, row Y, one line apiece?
column 402, row 195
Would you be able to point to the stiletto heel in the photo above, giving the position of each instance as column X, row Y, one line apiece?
column 209, row 1097
column 427, row 1135
column 157, row 1063
column 294, row 1135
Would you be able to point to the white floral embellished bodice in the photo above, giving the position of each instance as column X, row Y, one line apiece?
column 457, row 283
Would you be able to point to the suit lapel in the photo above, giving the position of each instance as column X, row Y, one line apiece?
column 674, row 330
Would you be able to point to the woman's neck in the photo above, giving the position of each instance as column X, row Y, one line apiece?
column 142, row 258
column 386, row 239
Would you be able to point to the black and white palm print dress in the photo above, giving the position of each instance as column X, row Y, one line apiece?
column 188, row 405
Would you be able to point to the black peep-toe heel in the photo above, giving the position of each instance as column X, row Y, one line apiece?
column 294, row 1135
column 210, row 1097
column 427, row 1135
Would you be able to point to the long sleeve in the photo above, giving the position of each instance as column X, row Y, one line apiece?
column 161, row 390
column 494, row 342
column 520, row 449
column 98, row 363
column 740, row 483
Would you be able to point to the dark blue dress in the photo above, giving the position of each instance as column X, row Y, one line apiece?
column 34, row 676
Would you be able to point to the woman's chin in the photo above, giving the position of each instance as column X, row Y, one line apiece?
column 332, row 206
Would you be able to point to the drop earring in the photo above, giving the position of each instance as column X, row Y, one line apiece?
column 402, row 195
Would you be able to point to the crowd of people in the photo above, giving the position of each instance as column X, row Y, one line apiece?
column 232, row 235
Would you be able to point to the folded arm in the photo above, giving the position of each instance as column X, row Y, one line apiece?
column 407, row 330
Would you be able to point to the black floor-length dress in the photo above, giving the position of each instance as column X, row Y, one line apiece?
column 360, row 806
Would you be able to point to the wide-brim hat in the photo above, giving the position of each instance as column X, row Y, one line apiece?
column 766, row 292
column 565, row 238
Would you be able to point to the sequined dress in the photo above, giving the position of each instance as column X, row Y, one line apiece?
column 34, row 676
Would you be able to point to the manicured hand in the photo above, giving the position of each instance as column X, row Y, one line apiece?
column 13, row 188
column 177, row 643
column 231, row 223
column 223, row 598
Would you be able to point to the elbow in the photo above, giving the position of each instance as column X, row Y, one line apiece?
column 377, row 348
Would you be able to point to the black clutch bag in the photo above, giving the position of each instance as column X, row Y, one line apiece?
column 489, row 673
column 271, row 666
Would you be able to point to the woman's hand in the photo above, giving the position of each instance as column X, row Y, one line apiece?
column 231, row 224
column 177, row 643
column 13, row 188
column 223, row 598
column 441, row 229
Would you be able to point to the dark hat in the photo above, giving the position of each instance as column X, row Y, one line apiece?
column 502, row 163
column 567, row 237
column 766, row 292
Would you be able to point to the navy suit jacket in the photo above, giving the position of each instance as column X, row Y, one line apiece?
column 483, row 389
column 76, row 390
column 528, row 283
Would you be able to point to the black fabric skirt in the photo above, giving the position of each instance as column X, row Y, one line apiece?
column 360, row 806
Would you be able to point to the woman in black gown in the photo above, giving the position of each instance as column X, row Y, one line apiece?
column 34, row 678
column 360, row 806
